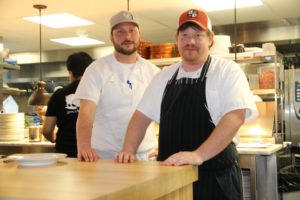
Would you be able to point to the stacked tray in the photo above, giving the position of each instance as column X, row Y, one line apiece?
column 144, row 49
column 167, row 50
column 11, row 126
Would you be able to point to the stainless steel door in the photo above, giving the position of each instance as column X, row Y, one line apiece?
column 292, row 105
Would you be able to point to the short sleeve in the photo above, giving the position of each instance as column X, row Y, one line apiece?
column 235, row 92
column 150, row 104
column 90, row 84
column 52, row 108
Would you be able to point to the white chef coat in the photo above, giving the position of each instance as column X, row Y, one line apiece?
column 116, row 88
column 227, row 89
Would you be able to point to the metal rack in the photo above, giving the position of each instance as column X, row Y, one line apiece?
column 3, row 68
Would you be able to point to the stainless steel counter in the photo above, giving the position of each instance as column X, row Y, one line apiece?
column 24, row 146
column 262, row 165
column 260, row 151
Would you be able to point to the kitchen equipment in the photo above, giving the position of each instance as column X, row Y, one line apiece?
column 269, row 48
column 40, row 97
column 236, row 48
column 261, row 128
column 35, row 133
column 221, row 44
column 292, row 105
column 253, row 81
column 266, row 77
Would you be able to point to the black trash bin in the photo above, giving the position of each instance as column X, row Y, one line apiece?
column 289, row 181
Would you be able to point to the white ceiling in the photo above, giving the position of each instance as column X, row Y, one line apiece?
column 157, row 18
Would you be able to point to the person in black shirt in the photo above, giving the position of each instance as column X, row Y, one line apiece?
column 62, row 112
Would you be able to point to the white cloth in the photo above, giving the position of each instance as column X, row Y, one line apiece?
column 227, row 89
column 116, row 89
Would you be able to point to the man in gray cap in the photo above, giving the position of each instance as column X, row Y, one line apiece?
column 109, row 92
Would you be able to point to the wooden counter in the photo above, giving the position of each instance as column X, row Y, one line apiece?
column 71, row 179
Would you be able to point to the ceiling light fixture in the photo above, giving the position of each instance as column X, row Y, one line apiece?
column 217, row 5
column 77, row 41
column 60, row 20
column 39, row 97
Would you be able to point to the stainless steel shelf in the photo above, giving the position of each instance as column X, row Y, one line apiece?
column 9, row 67
column 263, row 91
column 12, row 91
column 244, row 57
column 165, row 61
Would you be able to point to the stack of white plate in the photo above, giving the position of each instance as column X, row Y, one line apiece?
column 11, row 126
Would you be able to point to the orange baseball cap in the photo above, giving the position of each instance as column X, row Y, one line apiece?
column 198, row 17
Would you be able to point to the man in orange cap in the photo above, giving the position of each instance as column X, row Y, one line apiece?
column 199, row 103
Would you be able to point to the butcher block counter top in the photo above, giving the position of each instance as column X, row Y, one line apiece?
column 71, row 179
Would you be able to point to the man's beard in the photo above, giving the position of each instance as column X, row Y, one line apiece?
column 121, row 50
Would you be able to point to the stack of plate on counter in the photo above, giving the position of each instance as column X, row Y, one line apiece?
column 11, row 126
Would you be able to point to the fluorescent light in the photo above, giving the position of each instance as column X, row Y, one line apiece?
column 77, row 41
column 215, row 5
column 60, row 20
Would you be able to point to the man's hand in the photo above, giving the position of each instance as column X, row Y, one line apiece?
column 87, row 154
column 183, row 158
column 125, row 157
column 153, row 155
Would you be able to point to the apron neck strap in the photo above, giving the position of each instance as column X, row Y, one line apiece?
column 205, row 68
column 203, row 72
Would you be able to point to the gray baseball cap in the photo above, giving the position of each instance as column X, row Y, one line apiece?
column 120, row 17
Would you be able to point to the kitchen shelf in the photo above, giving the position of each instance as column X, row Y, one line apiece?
column 13, row 91
column 249, row 57
column 9, row 91
column 244, row 57
column 263, row 91
column 9, row 66
column 165, row 61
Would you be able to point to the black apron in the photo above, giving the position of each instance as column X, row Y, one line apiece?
column 185, row 124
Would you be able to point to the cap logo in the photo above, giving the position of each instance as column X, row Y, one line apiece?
column 192, row 13
column 128, row 16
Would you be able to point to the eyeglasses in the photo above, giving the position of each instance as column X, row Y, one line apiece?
column 195, row 36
